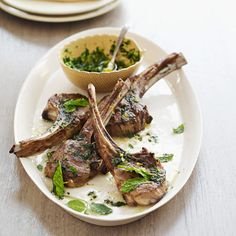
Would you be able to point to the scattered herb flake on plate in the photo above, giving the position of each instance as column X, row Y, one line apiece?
column 130, row 145
column 92, row 195
column 179, row 129
column 165, row 157
column 152, row 138
column 115, row 204
column 40, row 167
column 138, row 137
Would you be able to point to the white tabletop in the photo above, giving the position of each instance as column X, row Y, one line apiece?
column 205, row 31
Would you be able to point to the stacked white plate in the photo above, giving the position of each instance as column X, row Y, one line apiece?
column 58, row 10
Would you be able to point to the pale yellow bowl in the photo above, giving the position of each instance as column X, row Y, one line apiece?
column 103, row 81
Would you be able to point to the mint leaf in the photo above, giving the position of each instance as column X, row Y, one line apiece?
column 71, row 105
column 139, row 170
column 165, row 157
column 179, row 129
column 77, row 205
column 100, row 209
column 58, row 183
column 131, row 184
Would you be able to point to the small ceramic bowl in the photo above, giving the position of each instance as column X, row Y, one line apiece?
column 103, row 81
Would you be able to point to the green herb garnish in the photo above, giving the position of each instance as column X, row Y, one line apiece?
column 139, row 170
column 179, row 129
column 100, row 209
column 158, row 176
column 94, row 208
column 73, row 170
column 115, row 204
column 49, row 155
column 58, row 183
column 92, row 195
column 40, row 167
column 165, row 157
column 97, row 60
column 72, row 104
column 77, row 205
column 130, row 145
column 87, row 152
column 92, row 61
column 138, row 137
column 116, row 161
column 152, row 138
column 131, row 184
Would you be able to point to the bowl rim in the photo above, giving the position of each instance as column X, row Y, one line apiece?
column 142, row 52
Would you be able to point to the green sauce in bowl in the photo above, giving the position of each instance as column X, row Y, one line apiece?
column 97, row 60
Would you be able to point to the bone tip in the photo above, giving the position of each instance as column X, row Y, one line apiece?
column 15, row 148
column 90, row 86
column 12, row 149
column 181, row 60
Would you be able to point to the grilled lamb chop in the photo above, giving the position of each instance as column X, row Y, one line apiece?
column 139, row 177
column 130, row 117
column 78, row 156
column 66, row 125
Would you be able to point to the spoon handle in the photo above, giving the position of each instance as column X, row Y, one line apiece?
column 119, row 41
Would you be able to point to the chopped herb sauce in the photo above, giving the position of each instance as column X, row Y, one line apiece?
column 115, row 204
column 97, row 60
column 92, row 195
column 40, row 167
column 152, row 138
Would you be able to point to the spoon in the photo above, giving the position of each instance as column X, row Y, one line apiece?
column 111, row 65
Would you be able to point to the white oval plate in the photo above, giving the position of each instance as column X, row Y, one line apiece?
column 58, row 19
column 57, row 8
column 171, row 102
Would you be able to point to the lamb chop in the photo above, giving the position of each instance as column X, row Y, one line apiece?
column 130, row 117
column 139, row 177
column 78, row 157
column 66, row 124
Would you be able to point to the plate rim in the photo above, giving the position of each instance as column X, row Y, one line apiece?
column 17, row 5
column 152, row 208
column 59, row 19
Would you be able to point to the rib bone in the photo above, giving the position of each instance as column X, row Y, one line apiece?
column 148, row 191
column 78, row 156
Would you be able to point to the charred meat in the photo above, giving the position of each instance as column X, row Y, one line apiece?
column 128, row 118
column 78, row 156
column 139, row 177
column 66, row 125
